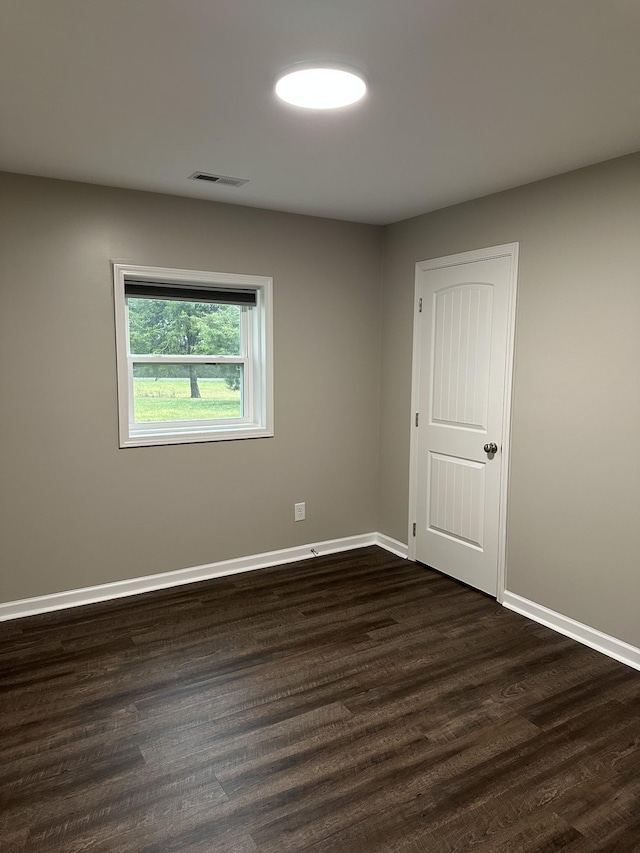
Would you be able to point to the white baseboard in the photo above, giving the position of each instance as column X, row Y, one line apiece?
column 135, row 586
column 389, row 544
column 604, row 643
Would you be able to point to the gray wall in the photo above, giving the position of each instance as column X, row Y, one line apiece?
column 78, row 511
column 574, row 507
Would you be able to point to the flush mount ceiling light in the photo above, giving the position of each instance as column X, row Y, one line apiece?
column 321, row 86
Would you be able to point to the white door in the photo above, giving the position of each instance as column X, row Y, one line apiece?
column 463, row 350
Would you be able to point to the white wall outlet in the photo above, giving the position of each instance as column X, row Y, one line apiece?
column 299, row 511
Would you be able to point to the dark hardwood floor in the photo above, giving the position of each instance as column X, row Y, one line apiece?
column 355, row 703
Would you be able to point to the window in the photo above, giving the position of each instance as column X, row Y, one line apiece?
column 193, row 355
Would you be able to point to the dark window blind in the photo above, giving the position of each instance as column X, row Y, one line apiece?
column 189, row 292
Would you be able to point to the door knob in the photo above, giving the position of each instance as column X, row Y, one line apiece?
column 491, row 448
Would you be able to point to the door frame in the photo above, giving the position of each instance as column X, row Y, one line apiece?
column 510, row 250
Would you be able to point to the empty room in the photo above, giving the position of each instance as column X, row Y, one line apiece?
column 319, row 406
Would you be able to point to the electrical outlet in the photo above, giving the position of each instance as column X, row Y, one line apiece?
column 299, row 511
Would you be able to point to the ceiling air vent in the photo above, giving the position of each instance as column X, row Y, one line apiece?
column 221, row 180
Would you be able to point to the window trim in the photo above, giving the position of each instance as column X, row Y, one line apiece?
column 258, row 374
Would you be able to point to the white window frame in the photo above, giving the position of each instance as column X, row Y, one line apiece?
column 257, row 359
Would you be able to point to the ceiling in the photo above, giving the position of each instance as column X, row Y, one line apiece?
column 467, row 97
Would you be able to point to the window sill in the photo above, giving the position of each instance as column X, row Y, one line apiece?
column 147, row 438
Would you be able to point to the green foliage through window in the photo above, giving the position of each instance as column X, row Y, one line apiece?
column 176, row 327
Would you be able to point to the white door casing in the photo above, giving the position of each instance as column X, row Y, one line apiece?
column 461, row 396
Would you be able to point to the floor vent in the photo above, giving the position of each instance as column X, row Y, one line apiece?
column 221, row 180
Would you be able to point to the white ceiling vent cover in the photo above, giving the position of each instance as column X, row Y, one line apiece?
column 221, row 180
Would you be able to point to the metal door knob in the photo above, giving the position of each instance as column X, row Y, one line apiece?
column 491, row 448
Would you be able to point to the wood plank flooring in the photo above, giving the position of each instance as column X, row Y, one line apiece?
column 355, row 703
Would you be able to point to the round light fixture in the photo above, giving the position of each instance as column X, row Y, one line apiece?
column 321, row 86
